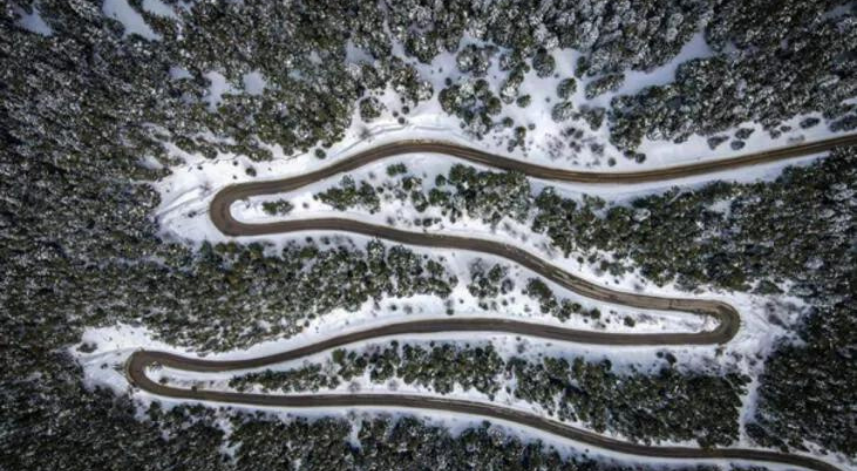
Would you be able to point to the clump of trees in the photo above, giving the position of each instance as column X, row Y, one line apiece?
column 593, row 115
column 397, row 169
column 370, row 108
column 474, row 103
column 348, row 195
column 769, row 232
column 569, row 225
column 566, row 88
column 711, row 95
column 475, row 60
column 604, row 84
column 488, row 282
column 543, row 63
column 309, row 378
column 668, row 405
column 807, row 389
column 439, row 368
column 489, row 196
column 562, row 309
column 562, row 111
column 279, row 207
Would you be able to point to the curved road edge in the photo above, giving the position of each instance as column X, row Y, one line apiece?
column 140, row 361
column 360, row 159
column 221, row 215
column 728, row 317
column 729, row 320
column 438, row 326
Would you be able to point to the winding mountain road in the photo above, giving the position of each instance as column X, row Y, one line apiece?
column 140, row 361
column 728, row 319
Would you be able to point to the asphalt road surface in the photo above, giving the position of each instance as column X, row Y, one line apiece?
column 728, row 319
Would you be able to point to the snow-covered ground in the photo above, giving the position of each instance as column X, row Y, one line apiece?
column 176, row 223
column 187, row 192
column 131, row 19
column 103, row 367
column 32, row 21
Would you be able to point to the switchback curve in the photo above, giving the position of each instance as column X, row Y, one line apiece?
column 140, row 361
column 728, row 317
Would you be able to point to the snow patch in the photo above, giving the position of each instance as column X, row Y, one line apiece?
column 254, row 83
column 636, row 81
column 219, row 87
column 130, row 18
column 158, row 7
column 32, row 21
column 179, row 73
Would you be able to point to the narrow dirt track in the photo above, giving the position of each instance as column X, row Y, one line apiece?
column 727, row 317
